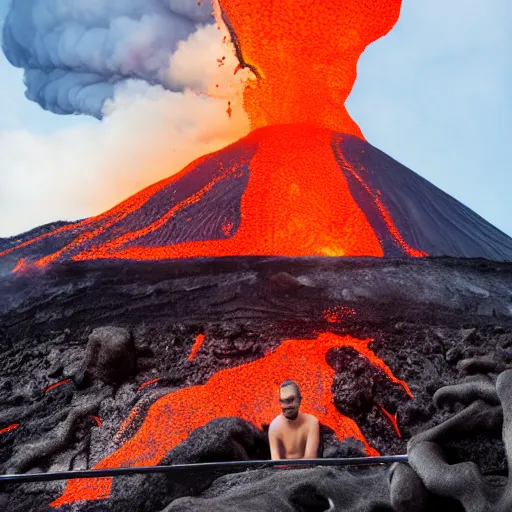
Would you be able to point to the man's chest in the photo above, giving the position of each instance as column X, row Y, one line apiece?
column 294, row 439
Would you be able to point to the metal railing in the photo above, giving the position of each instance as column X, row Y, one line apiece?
column 203, row 466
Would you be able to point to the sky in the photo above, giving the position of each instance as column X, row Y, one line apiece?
column 435, row 94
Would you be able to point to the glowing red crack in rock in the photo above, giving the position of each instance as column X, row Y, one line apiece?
column 248, row 391
column 149, row 383
column 197, row 345
column 393, row 418
column 56, row 385
column 97, row 420
column 9, row 428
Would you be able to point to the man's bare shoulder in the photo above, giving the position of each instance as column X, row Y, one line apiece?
column 275, row 424
column 311, row 420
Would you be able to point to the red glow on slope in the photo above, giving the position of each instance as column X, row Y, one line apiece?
column 56, row 385
column 337, row 314
column 97, row 420
column 109, row 218
column 9, row 428
column 148, row 383
column 415, row 253
column 197, row 345
column 393, row 418
column 22, row 263
column 304, row 54
column 249, row 391
column 297, row 203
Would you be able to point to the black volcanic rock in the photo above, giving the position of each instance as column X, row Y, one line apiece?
column 110, row 355
column 318, row 489
column 427, row 217
column 416, row 311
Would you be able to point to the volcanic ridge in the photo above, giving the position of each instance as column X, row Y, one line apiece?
column 290, row 190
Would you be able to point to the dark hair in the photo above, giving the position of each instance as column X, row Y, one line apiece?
column 291, row 383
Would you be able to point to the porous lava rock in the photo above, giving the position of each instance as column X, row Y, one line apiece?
column 110, row 355
column 487, row 410
column 294, row 490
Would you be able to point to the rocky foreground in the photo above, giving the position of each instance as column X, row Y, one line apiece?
column 84, row 345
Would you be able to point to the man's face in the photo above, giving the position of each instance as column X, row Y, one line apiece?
column 290, row 402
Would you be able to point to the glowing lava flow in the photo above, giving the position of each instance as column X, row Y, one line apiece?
column 304, row 54
column 248, row 391
column 197, row 345
column 280, row 191
column 297, row 203
column 9, row 428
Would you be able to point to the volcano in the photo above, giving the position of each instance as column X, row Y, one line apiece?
column 305, row 182
column 195, row 291
column 285, row 190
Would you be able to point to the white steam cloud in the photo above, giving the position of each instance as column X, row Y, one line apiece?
column 148, row 132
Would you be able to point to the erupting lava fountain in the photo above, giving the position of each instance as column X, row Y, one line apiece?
column 305, row 182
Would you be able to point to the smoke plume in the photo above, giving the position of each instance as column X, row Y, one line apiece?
column 75, row 53
column 162, row 105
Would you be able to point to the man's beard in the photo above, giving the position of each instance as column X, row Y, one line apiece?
column 291, row 415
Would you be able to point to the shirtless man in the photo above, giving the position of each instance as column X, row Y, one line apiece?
column 293, row 434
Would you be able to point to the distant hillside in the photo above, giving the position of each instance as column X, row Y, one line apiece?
column 6, row 243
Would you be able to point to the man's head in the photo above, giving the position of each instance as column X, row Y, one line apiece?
column 290, row 398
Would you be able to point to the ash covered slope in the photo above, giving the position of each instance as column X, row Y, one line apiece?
column 290, row 190
column 427, row 217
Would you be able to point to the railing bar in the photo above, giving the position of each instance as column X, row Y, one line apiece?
column 204, row 466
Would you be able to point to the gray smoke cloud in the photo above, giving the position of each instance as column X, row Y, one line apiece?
column 77, row 53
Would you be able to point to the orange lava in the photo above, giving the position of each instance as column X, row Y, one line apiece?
column 304, row 54
column 297, row 203
column 20, row 266
column 97, row 420
column 56, row 385
column 197, row 345
column 148, row 383
column 105, row 220
column 393, row 419
column 109, row 217
column 337, row 314
column 9, row 428
column 134, row 414
column 393, row 230
column 249, row 391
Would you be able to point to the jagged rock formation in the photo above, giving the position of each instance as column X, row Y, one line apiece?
column 487, row 411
